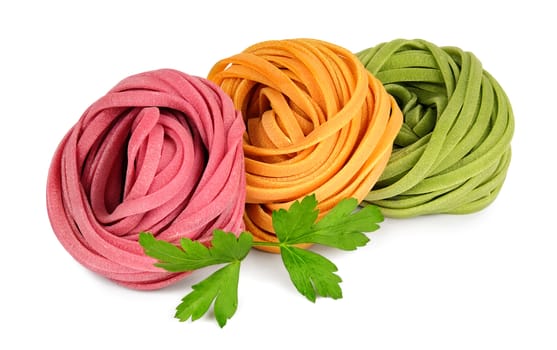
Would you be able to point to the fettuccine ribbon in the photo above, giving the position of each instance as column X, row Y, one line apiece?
column 317, row 123
column 453, row 151
column 160, row 152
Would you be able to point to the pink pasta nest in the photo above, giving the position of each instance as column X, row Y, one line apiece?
column 160, row 152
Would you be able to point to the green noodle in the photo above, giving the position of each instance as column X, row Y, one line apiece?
column 453, row 151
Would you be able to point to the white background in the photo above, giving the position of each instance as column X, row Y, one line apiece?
column 481, row 281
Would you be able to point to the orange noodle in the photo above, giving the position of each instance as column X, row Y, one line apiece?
column 317, row 122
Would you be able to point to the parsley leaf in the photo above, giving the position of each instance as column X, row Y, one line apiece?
column 311, row 273
column 228, row 247
column 222, row 287
column 193, row 254
column 293, row 223
column 342, row 228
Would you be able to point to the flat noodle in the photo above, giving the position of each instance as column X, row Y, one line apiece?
column 160, row 152
column 317, row 123
column 453, row 151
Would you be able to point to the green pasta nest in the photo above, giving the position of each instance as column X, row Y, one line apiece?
column 453, row 151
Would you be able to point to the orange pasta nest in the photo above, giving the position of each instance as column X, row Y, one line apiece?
column 317, row 122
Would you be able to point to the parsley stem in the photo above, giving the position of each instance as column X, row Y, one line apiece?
column 266, row 244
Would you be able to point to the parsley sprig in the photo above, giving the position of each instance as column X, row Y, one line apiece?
column 312, row 274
